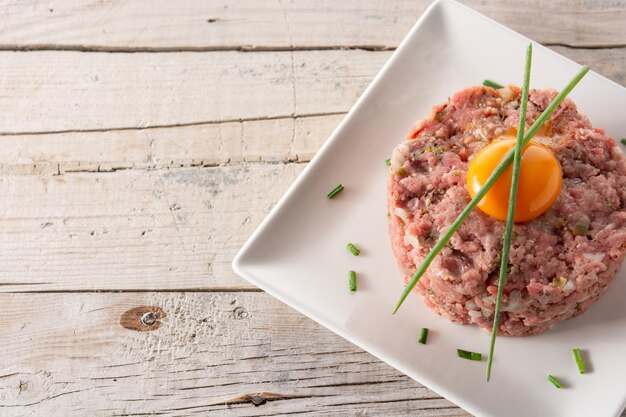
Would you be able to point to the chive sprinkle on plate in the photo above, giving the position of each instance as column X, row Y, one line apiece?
column 497, row 172
column 335, row 191
column 489, row 83
column 423, row 335
column 472, row 356
column 352, row 281
column 623, row 140
column 353, row 249
column 580, row 362
column 555, row 381
column 388, row 160
column 508, row 228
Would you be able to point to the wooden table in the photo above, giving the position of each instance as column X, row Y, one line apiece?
column 142, row 143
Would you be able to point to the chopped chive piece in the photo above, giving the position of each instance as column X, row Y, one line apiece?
column 623, row 141
column 495, row 175
column 388, row 160
column 466, row 354
column 489, row 83
column 352, row 281
column 554, row 381
column 508, row 227
column 353, row 249
column 335, row 191
column 423, row 335
column 580, row 362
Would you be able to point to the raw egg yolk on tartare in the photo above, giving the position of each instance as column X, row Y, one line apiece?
column 539, row 182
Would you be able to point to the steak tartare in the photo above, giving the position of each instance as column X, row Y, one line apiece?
column 560, row 262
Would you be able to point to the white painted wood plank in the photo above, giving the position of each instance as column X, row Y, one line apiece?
column 60, row 91
column 133, row 229
column 276, row 140
column 108, row 210
column 165, row 24
column 210, row 354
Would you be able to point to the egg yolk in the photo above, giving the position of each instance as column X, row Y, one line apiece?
column 539, row 182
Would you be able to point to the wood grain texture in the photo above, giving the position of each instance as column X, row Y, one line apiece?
column 238, row 354
column 221, row 24
column 74, row 91
column 281, row 140
column 133, row 229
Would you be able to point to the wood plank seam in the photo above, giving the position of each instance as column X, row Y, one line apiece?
column 175, row 125
column 248, row 48
column 148, row 49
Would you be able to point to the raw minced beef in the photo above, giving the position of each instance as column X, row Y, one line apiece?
column 560, row 262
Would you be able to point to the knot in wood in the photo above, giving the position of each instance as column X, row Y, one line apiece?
column 143, row 319
column 241, row 313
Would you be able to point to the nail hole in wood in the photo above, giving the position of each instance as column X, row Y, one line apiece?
column 148, row 318
column 241, row 313
column 257, row 401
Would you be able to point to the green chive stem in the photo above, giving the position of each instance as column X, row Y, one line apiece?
column 335, row 191
column 495, row 175
column 352, row 281
column 466, row 354
column 508, row 228
column 492, row 84
column 623, row 140
column 580, row 362
column 423, row 335
column 554, row 381
column 353, row 249
column 388, row 160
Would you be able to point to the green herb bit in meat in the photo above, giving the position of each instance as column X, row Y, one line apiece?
column 580, row 228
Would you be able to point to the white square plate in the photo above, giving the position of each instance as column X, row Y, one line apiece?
column 298, row 254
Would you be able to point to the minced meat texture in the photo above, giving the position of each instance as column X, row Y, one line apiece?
column 560, row 262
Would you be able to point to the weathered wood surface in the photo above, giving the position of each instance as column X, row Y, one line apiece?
column 64, row 91
column 221, row 24
column 133, row 229
column 130, row 163
column 210, row 354
column 76, row 91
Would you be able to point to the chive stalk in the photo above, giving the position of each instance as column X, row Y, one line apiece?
column 423, row 335
column 353, row 249
column 554, row 381
column 466, row 354
column 352, row 281
column 623, row 140
column 495, row 175
column 335, row 191
column 508, row 228
column 492, row 84
column 580, row 362
column 388, row 160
